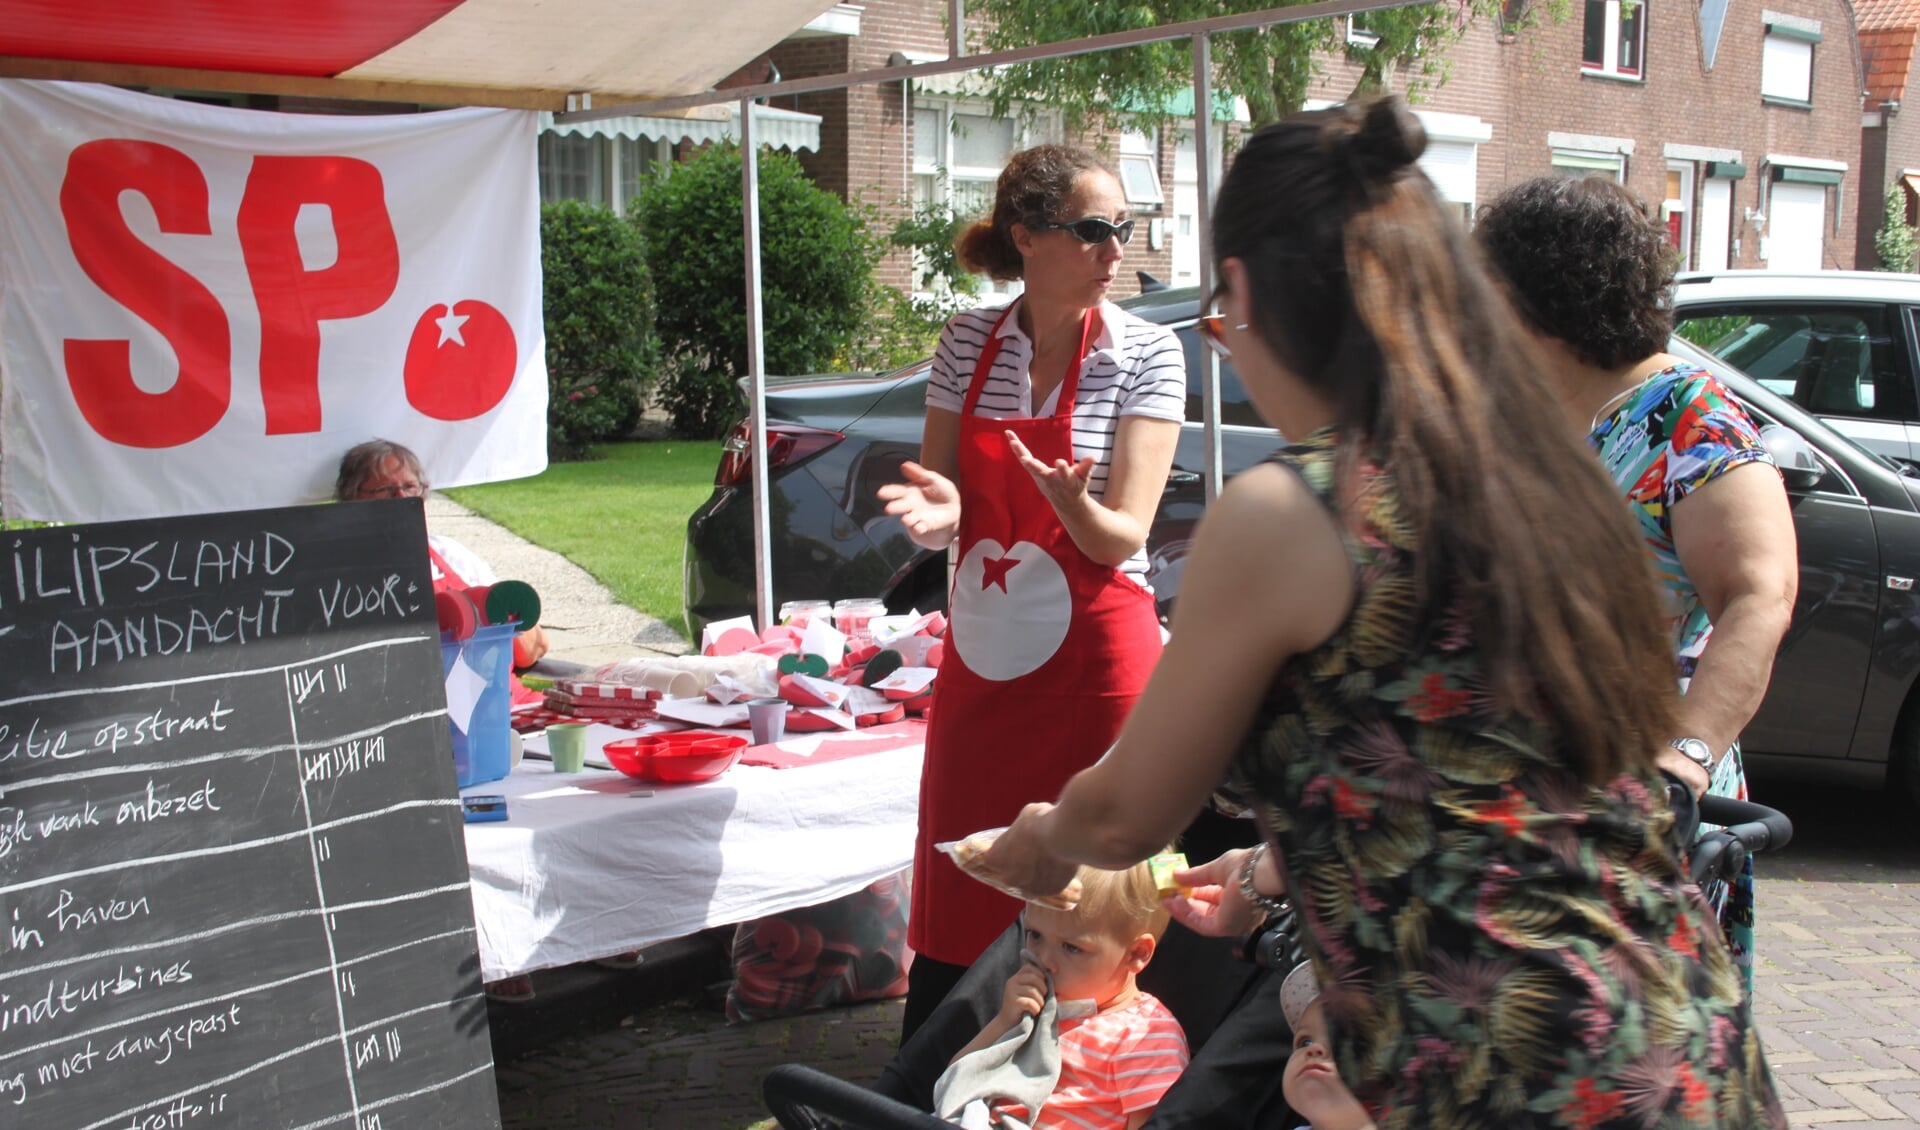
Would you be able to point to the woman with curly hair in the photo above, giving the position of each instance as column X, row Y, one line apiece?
column 1592, row 271
column 1425, row 637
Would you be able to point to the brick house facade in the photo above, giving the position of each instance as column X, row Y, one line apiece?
column 1639, row 92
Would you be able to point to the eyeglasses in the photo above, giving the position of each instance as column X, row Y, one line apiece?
column 1093, row 229
column 393, row 490
column 1210, row 326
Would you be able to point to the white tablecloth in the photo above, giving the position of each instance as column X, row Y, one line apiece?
column 587, row 865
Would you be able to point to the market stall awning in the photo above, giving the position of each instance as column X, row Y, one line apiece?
column 477, row 52
column 780, row 129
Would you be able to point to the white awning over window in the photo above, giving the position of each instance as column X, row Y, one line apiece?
column 781, row 129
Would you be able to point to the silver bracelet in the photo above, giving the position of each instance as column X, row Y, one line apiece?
column 1266, row 904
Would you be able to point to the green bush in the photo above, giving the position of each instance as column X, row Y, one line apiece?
column 816, row 264
column 599, row 316
column 1895, row 242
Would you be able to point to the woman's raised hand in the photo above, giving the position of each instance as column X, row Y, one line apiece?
column 927, row 504
column 1064, row 484
column 1213, row 904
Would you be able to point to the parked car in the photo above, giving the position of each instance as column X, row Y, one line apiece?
column 1841, row 344
column 1841, row 707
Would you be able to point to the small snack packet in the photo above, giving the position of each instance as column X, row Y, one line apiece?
column 967, row 854
column 1163, row 866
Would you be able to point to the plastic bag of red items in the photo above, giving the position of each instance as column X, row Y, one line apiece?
column 851, row 949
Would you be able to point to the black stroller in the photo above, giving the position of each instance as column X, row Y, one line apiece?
column 1231, row 1082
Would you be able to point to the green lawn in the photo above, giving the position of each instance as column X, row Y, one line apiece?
column 621, row 517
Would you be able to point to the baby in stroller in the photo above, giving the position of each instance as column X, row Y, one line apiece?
column 1118, row 1048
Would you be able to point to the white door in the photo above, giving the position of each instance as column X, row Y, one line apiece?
column 1796, row 220
column 1186, row 214
column 1716, row 224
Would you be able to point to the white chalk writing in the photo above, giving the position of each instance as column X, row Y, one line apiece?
column 157, row 807
column 345, row 758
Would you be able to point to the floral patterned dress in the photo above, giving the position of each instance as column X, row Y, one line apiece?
column 1499, row 944
column 1676, row 433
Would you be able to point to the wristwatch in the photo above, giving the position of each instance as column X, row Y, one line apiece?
column 1696, row 751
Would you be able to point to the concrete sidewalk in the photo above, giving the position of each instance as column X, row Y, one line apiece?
column 584, row 624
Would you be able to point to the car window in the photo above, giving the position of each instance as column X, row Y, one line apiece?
column 1235, row 408
column 1831, row 360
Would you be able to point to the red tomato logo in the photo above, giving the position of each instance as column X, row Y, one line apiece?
column 460, row 361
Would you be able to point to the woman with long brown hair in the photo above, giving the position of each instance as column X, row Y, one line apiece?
column 1051, row 424
column 1424, row 637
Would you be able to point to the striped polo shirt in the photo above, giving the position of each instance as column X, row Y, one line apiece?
column 1135, row 368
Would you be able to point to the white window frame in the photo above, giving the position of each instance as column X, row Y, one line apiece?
column 1609, row 65
column 941, row 175
column 1591, row 163
column 1683, row 205
column 606, row 182
column 1139, row 170
column 1786, row 68
column 1357, row 33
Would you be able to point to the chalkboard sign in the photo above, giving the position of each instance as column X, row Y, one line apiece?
column 233, row 883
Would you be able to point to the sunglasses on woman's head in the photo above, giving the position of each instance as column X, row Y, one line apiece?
column 1093, row 229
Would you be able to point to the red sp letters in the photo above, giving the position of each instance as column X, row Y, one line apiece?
column 292, row 300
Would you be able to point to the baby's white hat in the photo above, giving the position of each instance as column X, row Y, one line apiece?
column 1297, row 992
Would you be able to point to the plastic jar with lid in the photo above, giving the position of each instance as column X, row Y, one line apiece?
column 798, row 613
column 852, row 617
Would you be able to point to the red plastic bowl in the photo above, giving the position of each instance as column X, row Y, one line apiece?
column 675, row 758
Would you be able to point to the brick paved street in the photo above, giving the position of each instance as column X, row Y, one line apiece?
column 1838, row 988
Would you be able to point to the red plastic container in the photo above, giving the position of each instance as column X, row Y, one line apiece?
column 676, row 758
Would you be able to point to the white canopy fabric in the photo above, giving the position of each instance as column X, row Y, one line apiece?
column 781, row 129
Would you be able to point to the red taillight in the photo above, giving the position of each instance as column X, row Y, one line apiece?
column 786, row 443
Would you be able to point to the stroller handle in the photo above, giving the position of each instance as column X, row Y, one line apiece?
column 1747, row 828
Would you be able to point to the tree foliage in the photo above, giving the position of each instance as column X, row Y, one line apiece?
column 1895, row 242
column 816, row 264
column 1271, row 67
column 598, row 299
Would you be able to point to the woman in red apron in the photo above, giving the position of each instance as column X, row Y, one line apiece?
column 1050, row 430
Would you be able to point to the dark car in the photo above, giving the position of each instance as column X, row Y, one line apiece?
column 1838, row 706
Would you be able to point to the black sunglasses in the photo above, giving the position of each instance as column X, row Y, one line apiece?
column 1093, row 229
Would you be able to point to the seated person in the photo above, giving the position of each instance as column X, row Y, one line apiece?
column 1116, row 1062
column 1312, row 1082
column 381, row 468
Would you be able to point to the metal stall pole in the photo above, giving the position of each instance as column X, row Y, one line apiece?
column 1203, row 170
column 956, row 28
column 756, row 370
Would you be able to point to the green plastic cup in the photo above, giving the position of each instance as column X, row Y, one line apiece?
column 567, row 745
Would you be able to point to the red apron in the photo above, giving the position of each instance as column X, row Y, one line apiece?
column 1046, row 652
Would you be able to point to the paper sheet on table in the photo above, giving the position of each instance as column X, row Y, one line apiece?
column 598, row 735
column 824, row 640
column 720, row 628
column 908, row 680
column 700, row 712
column 807, row 745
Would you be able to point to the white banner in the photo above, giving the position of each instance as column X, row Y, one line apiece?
column 202, row 308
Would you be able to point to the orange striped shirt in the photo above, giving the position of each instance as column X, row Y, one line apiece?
column 1113, row 1065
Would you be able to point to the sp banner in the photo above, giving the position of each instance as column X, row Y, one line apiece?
column 202, row 308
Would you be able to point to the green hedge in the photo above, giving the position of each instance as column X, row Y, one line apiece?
column 601, row 352
column 816, row 262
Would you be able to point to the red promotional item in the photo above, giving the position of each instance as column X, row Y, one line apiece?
column 1046, row 652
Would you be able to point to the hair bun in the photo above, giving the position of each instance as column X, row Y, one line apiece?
column 1378, row 138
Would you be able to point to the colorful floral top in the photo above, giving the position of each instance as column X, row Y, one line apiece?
column 1500, row 944
column 1676, row 433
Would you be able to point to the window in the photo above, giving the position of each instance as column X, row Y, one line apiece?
column 1677, row 209
column 1614, row 38
column 1786, row 65
column 1830, row 360
column 1139, row 172
column 1572, row 164
column 1358, row 33
column 600, row 170
column 958, row 152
